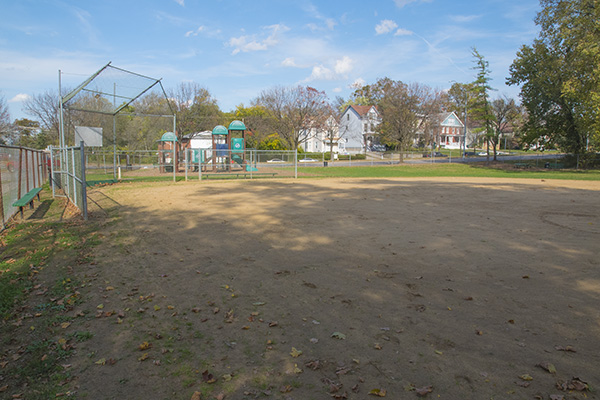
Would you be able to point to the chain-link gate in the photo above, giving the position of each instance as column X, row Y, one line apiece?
column 67, row 175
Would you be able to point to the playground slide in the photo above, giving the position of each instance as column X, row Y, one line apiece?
column 239, row 161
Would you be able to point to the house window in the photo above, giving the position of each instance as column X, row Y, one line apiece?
column 347, row 117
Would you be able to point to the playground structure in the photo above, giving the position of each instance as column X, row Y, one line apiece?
column 226, row 153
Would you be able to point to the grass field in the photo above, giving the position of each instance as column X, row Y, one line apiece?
column 419, row 285
column 403, row 171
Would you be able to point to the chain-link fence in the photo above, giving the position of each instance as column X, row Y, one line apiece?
column 21, row 170
column 67, row 168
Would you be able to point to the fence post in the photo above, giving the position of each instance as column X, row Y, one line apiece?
column 20, row 171
column 1, row 202
column 83, row 182
column 186, row 164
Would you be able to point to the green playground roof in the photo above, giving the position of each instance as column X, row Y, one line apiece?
column 168, row 137
column 219, row 130
column 237, row 126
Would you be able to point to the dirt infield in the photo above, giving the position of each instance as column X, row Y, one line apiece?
column 314, row 289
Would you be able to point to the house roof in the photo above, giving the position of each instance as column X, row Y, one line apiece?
column 451, row 119
column 362, row 110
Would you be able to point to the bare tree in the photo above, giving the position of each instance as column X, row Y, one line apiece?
column 505, row 112
column 45, row 109
column 407, row 109
column 4, row 118
column 195, row 108
column 297, row 112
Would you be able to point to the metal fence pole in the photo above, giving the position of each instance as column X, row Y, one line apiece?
column 83, row 183
column 74, row 178
column 186, row 164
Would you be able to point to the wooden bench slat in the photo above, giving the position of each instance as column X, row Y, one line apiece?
column 27, row 197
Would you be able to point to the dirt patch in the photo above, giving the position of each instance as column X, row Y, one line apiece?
column 338, row 288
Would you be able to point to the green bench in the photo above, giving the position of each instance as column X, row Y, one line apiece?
column 245, row 175
column 27, row 198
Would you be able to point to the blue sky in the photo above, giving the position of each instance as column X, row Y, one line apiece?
column 237, row 48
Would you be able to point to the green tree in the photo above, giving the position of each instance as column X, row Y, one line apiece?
column 257, row 121
column 559, row 74
column 481, row 112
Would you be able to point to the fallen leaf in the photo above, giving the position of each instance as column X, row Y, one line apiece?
column 378, row 392
column 285, row 389
column 156, row 307
column 101, row 361
column 109, row 288
column 314, row 365
column 523, row 383
column 227, row 377
column 438, row 352
column 3, row 388
column 338, row 335
column 557, row 397
column 207, row 377
column 526, row 377
column 296, row 369
column 547, row 367
column 424, row 390
column 566, row 348
column 295, row 352
column 145, row 346
column 196, row 310
column 259, row 303
column 144, row 357
column 196, row 396
column 65, row 325
column 100, row 306
column 378, row 346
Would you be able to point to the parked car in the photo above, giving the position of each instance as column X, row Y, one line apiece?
column 378, row 147
column 308, row 160
column 435, row 154
column 275, row 160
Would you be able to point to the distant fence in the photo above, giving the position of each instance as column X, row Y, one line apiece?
column 21, row 169
column 68, row 175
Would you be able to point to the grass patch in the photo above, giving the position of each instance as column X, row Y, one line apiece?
column 38, row 290
column 443, row 170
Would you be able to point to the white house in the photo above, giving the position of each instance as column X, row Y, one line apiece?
column 318, row 139
column 451, row 131
column 358, row 128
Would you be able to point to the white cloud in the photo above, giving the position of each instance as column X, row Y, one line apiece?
column 180, row 2
column 358, row 83
column 344, row 65
column 196, row 32
column 402, row 3
column 19, row 98
column 464, row 18
column 403, row 32
column 385, row 26
column 289, row 62
column 320, row 72
column 248, row 43
column 337, row 90
column 340, row 69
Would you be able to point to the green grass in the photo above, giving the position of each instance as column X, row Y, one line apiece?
column 443, row 170
column 36, row 277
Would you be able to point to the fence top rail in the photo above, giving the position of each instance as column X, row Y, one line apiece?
column 5, row 146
